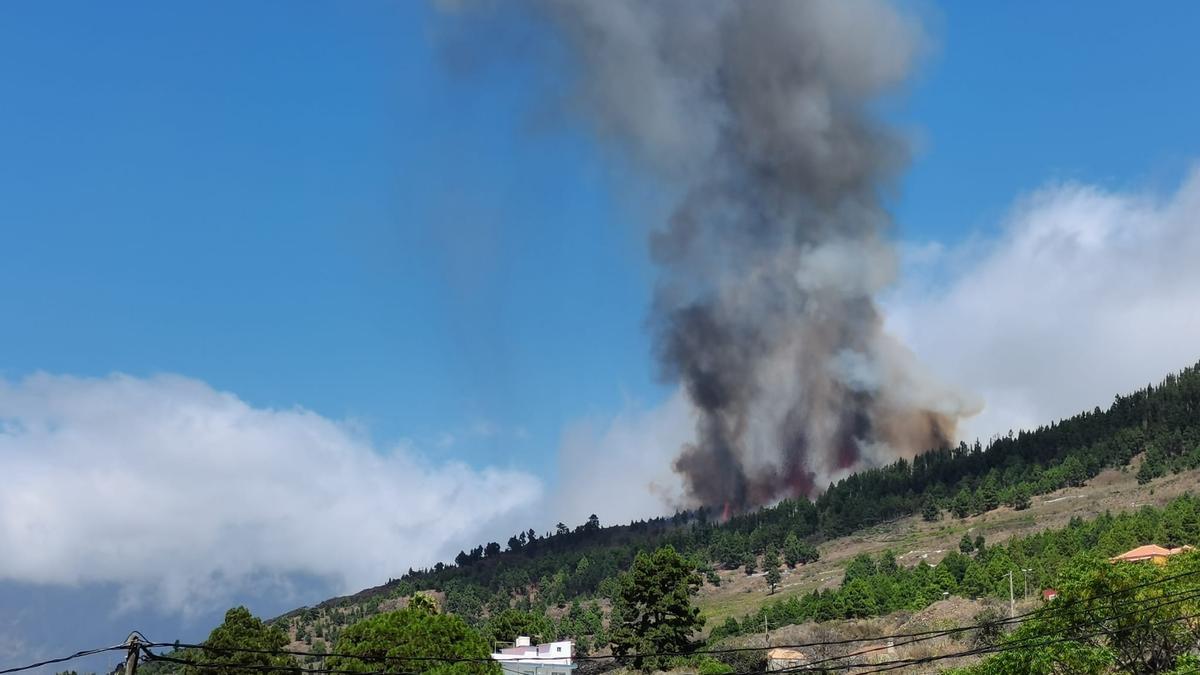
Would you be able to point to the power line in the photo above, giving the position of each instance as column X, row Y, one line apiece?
column 1033, row 641
column 267, row 668
column 1162, row 601
column 76, row 655
column 913, row 637
column 931, row 634
column 910, row 638
column 1191, row 595
column 1195, row 594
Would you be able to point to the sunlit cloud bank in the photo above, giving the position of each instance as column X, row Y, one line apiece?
column 1084, row 293
column 185, row 495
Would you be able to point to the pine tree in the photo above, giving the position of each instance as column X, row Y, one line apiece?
column 241, row 630
column 930, row 511
column 1021, row 497
column 791, row 549
column 773, row 579
column 771, row 565
column 771, row 559
column 415, row 633
column 655, row 608
column 961, row 507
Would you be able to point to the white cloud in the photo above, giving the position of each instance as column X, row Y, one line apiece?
column 620, row 469
column 183, row 495
column 1084, row 294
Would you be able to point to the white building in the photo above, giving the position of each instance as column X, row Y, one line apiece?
column 526, row 658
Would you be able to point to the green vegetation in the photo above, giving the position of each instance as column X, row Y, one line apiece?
column 1129, row 618
column 875, row 586
column 570, row 564
column 771, row 565
column 239, row 630
column 654, row 612
column 413, row 632
column 509, row 624
column 557, row 584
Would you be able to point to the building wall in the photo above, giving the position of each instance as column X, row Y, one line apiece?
column 519, row 668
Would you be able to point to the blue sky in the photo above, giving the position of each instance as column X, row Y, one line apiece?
column 1018, row 94
column 295, row 202
column 300, row 203
column 304, row 204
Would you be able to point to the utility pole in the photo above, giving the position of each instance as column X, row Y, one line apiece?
column 1025, row 577
column 133, row 644
column 1012, row 604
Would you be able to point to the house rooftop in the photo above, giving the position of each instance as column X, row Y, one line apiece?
column 1148, row 552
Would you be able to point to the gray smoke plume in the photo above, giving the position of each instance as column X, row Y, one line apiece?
column 757, row 113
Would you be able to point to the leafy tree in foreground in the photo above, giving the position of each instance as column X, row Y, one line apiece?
column 240, row 630
column 1127, row 618
column 656, row 611
column 413, row 632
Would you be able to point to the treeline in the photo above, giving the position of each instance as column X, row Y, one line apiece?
column 568, row 567
column 568, row 582
column 653, row 623
column 1162, row 420
column 651, row 626
column 874, row 586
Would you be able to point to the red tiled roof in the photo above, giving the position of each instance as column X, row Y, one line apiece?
column 1142, row 553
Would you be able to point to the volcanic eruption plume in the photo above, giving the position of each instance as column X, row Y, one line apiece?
column 756, row 114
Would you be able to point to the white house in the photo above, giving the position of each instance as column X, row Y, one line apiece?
column 526, row 658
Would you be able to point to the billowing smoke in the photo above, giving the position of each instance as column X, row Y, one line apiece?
column 765, row 311
column 757, row 114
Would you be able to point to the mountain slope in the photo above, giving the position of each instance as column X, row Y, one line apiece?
column 570, row 572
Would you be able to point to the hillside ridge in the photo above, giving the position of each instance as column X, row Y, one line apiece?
column 571, row 570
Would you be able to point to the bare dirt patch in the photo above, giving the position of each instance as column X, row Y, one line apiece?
column 913, row 539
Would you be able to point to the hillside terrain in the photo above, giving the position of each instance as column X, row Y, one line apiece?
column 913, row 539
column 915, row 527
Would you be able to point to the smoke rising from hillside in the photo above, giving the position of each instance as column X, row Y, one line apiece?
column 771, row 260
column 756, row 114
